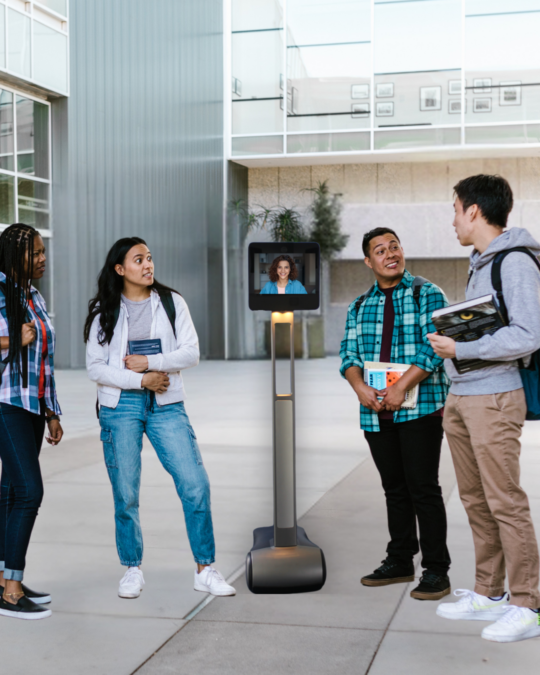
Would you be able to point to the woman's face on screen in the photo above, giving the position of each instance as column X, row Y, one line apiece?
column 283, row 270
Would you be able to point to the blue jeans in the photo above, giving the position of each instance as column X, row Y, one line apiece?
column 21, row 485
column 174, row 441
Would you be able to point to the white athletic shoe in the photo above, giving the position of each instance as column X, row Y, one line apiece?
column 211, row 581
column 131, row 584
column 473, row 607
column 517, row 623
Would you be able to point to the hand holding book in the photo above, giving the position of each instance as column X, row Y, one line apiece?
column 136, row 362
column 444, row 347
column 465, row 322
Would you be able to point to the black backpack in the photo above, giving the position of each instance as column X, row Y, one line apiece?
column 530, row 376
column 417, row 284
column 168, row 305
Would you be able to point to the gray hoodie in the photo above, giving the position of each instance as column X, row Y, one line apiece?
column 521, row 289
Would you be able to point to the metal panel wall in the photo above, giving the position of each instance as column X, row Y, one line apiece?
column 138, row 150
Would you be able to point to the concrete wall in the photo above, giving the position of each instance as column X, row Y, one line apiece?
column 415, row 199
column 137, row 150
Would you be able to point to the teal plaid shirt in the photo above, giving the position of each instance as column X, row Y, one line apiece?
column 363, row 336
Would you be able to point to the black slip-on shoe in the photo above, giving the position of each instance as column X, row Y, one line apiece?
column 431, row 587
column 38, row 598
column 24, row 609
column 390, row 572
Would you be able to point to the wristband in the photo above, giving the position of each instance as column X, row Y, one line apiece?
column 52, row 417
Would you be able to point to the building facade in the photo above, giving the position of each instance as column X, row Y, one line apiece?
column 111, row 125
column 165, row 120
column 392, row 102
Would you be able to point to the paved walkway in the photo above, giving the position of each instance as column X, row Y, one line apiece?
column 343, row 629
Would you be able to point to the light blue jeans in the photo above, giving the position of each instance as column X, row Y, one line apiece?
column 174, row 441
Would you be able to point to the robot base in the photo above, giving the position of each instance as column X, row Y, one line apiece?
column 284, row 569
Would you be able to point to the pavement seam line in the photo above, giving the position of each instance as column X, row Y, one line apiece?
column 293, row 625
column 237, row 573
column 387, row 629
column 189, row 617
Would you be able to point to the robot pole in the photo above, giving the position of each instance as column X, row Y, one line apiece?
column 284, row 434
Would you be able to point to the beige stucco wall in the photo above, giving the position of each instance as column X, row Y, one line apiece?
column 415, row 198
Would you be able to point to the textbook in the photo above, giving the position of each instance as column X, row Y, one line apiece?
column 145, row 347
column 468, row 321
column 382, row 375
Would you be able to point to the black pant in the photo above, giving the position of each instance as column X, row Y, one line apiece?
column 407, row 456
column 21, row 485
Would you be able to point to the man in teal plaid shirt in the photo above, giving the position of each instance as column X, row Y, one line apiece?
column 390, row 323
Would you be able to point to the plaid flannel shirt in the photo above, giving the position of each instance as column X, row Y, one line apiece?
column 12, row 392
column 363, row 336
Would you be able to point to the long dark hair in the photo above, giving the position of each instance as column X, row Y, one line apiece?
column 17, row 263
column 110, row 286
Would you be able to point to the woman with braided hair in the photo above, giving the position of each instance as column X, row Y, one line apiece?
column 27, row 403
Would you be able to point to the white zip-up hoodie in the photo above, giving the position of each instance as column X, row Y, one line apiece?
column 105, row 363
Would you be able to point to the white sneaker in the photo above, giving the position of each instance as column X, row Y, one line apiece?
column 131, row 584
column 517, row 623
column 473, row 607
column 211, row 581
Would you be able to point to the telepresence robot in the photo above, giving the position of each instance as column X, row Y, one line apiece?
column 283, row 559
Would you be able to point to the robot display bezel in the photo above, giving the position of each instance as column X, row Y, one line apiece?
column 286, row 302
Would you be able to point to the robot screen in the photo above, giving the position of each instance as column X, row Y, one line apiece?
column 284, row 276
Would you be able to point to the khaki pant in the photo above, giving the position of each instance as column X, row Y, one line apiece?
column 483, row 433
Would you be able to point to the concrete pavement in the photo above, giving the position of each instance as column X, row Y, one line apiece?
column 73, row 553
column 343, row 629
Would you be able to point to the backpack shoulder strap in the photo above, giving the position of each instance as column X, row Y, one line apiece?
column 168, row 304
column 361, row 299
column 417, row 287
column 496, row 276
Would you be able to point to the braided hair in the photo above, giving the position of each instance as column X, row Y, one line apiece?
column 17, row 263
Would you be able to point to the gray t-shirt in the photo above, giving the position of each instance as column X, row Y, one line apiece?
column 139, row 319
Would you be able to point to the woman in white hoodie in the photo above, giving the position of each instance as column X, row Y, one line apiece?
column 140, row 337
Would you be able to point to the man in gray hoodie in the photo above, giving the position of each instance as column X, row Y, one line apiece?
column 484, row 416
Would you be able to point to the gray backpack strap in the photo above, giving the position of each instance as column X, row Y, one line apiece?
column 417, row 287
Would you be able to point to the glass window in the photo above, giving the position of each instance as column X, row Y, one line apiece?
column 417, row 36
column 18, row 43
column 328, row 64
column 59, row 6
column 251, row 15
column 399, row 139
column 32, row 137
column 509, row 133
column 33, row 203
column 502, row 83
column 257, row 67
column 6, row 130
column 343, row 142
column 2, row 36
column 50, row 57
column 417, row 54
column 7, row 202
column 498, row 6
column 257, row 145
